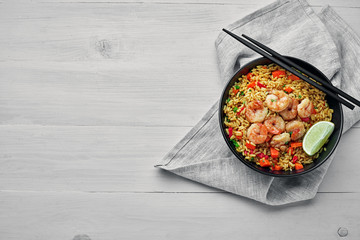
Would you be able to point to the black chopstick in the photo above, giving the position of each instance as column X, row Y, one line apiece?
column 301, row 69
column 290, row 69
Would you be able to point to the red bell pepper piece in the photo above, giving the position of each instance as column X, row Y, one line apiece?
column 274, row 153
column 230, row 129
column 277, row 168
column 298, row 166
column 239, row 137
column 291, row 150
column 250, row 146
column 264, row 162
column 251, row 85
column 261, row 85
column 249, row 75
column 288, row 89
column 305, row 119
column 296, row 144
column 293, row 77
column 238, row 113
column 278, row 73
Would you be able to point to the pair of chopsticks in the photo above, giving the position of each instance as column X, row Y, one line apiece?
column 293, row 67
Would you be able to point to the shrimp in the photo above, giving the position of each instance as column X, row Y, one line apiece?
column 257, row 133
column 277, row 101
column 291, row 111
column 275, row 124
column 270, row 135
column 255, row 111
column 280, row 141
column 296, row 129
column 305, row 108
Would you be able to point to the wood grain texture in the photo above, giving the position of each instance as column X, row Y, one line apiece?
column 258, row 3
column 107, row 216
column 113, row 64
column 113, row 158
column 93, row 93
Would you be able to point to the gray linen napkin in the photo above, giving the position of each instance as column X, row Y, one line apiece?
column 292, row 28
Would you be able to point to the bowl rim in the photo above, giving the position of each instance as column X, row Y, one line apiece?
column 238, row 155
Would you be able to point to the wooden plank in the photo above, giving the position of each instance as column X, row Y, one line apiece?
column 85, row 74
column 259, row 3
column 50, row 215
column 141, row 33
column 81, row 95
column 120, row 159
column 65, row 64
column 119, row 57
column 348, row 149
column 88, row 159
column 49, row 95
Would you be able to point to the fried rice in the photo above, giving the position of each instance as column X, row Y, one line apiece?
column 257, row 85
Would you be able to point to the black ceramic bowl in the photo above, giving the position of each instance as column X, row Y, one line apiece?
column 334, row 139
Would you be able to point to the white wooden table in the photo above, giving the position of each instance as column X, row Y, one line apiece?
column 94, row 92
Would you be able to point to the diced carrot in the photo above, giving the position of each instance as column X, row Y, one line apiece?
column 288, row 89
column 249, row 75
column 274, row 153
column 296, row 144
column 291, row 150
column 278, row 73
column 251, row 85
column 298, row 166
column 264, row 67
column 293, row 77
column 250, row 146
column 277, row 168
column 264, row 162
column 235, row 91
column 239, row 137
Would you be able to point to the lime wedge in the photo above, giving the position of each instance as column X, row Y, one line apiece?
column 316, row 136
